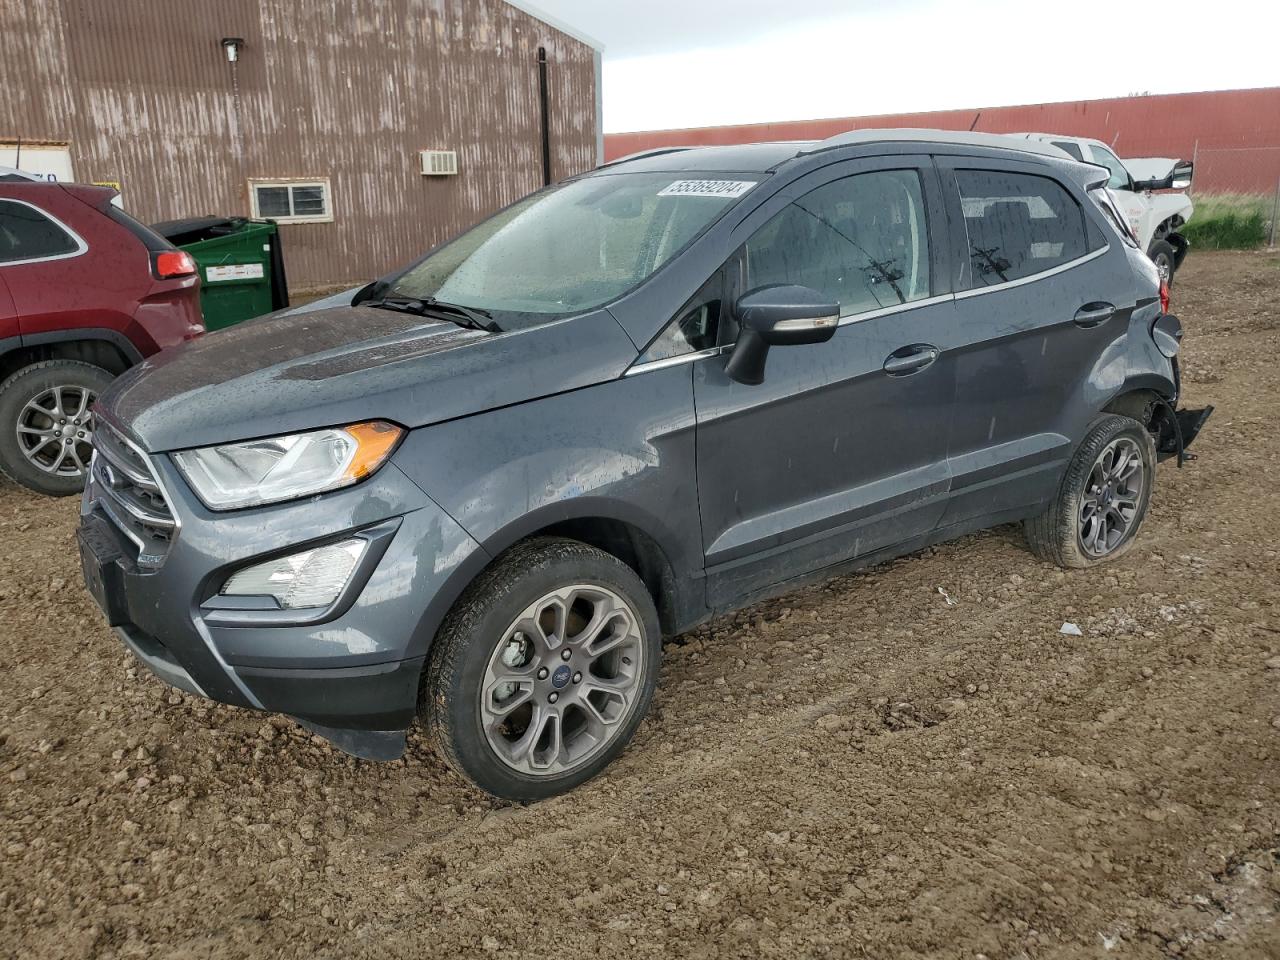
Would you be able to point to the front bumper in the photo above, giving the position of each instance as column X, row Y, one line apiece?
column 350, row 671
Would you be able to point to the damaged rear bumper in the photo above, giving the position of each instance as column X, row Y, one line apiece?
column 1177, row 429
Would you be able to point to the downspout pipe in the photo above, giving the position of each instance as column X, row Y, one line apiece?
column 544, row 103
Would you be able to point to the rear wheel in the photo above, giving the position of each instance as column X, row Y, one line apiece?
column 543, row 671
column 1103, row 499
column 46, row 429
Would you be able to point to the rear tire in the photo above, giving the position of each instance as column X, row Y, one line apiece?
column 1165, row 258
column 1103, row 499
column 43, row 406
column 543, row 670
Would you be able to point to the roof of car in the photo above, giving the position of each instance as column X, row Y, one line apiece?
column 763, row 157
column 760, row 157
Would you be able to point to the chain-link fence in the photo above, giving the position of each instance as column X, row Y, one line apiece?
column 1243, row 182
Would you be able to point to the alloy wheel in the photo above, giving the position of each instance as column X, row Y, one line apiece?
column 55, row 430
column 1109, row 507
column 562, row 680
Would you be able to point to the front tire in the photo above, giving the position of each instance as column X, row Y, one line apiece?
column 46, row 430
column 543, row 670
column 1103, row 499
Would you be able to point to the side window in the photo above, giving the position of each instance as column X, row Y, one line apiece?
column 1071, row 148
column 862, row 240
column 289, row 201
column 1119, row 174
column 27, row 234
column 1017, row 225
column 696, row 327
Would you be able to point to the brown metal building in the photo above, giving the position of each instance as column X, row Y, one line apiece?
column 317, row 115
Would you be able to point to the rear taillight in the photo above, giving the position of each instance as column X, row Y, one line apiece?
column 174, row 263
column 1164, row 296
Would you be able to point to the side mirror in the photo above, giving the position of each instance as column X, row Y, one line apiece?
column 1182, row 174
column 778, row 315
column 1179, row 178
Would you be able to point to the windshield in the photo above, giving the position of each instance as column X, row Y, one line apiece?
column 1119, row 174
column 572, row 247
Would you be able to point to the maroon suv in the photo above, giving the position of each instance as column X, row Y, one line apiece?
column 85, row 293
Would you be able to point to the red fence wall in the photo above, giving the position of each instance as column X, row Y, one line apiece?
column 1234, row 135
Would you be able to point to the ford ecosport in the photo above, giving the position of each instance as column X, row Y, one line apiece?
column 482, row 489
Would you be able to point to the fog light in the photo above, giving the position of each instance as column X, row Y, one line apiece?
column 313, row 578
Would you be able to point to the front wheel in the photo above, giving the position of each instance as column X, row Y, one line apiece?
column 1103, row 499
column 1165, row 258
column 543, row 671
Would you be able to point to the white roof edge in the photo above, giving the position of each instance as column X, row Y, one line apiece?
column 556, row 23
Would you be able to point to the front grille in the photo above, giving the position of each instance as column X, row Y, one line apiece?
column 130, row 495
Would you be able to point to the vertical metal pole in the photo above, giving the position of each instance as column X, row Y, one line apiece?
column 1195, row 153
column 1275, row 215
column 543, row 100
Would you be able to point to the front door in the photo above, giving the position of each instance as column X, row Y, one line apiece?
column 841, row 451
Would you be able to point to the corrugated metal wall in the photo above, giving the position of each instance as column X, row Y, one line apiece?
column 1234, row 134
column 324, row 88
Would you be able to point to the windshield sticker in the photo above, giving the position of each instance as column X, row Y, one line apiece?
column 731, row 189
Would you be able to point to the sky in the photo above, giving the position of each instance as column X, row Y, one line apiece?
column 685, row 63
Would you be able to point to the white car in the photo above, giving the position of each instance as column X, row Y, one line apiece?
column 1154, row 218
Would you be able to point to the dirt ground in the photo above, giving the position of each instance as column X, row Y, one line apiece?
column 859, row 769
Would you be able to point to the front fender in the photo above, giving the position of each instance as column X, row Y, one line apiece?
column 617, row 451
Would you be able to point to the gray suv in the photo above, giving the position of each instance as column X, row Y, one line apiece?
column 482, row 489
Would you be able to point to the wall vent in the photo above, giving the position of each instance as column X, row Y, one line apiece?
column 439, row 163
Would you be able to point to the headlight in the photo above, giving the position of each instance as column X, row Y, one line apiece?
column 282, row 468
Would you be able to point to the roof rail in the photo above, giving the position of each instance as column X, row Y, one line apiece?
column 641, row 154
column 921, row 135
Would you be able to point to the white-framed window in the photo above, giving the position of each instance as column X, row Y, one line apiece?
column 291, row 201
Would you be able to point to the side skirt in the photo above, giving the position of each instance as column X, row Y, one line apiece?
column 941, row 535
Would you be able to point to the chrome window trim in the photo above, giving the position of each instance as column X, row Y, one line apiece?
column 894, row 308
column 81, row 246
column 650, row 365
column 1060, row 268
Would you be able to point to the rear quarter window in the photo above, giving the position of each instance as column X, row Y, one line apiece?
column 27, row 233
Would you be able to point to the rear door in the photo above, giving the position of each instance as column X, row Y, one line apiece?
column 8, row 318
column 833, row 456
column 1041, row 302
column 38, row 258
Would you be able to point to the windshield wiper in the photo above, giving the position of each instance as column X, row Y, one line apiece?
column 473, row 318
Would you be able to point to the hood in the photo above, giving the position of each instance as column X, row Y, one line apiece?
column 285, row 373
column 1150, row 168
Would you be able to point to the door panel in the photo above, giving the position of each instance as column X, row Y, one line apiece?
column 60, row 275
column 8, row 316
column 832, row 457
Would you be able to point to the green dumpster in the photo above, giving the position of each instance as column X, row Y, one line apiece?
column 240, row 262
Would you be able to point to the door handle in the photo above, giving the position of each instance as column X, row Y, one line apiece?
column 1094, row 314
column 910, row 359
